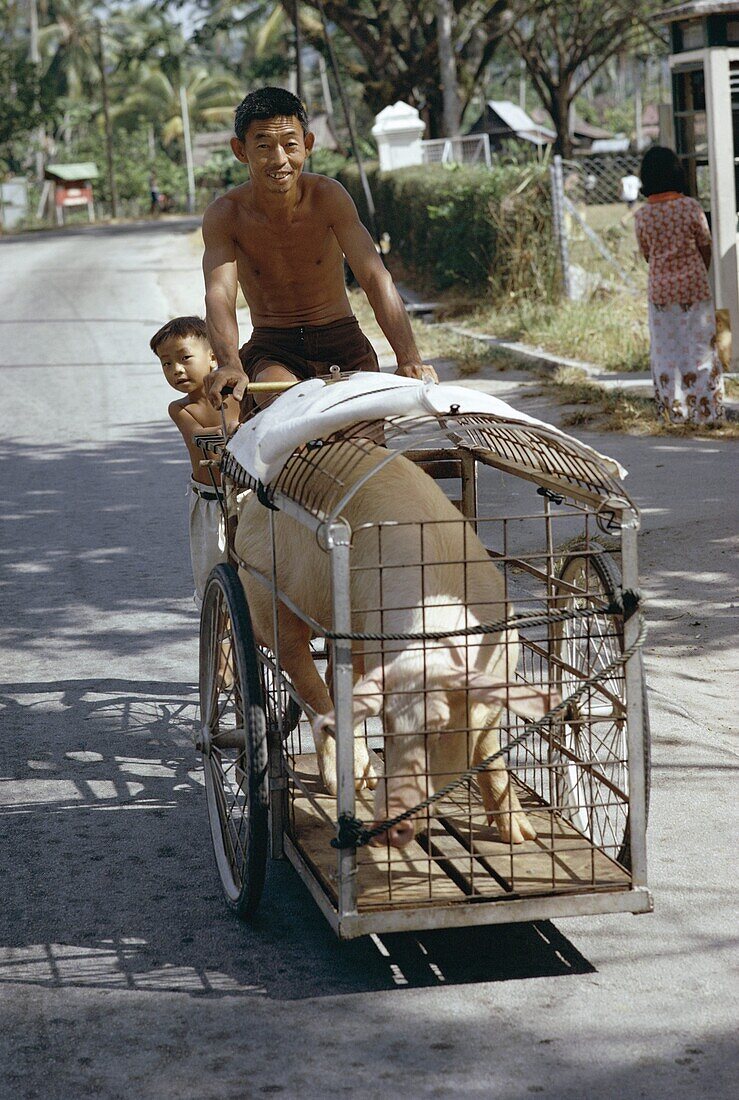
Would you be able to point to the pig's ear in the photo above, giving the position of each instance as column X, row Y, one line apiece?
column 523, row 699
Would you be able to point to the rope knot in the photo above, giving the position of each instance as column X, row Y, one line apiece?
column 625, row 602
column 350, row 832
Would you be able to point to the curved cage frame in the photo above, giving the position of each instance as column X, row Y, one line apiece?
column 537, row 454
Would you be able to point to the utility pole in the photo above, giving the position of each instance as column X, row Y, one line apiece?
column 188, row 150
column 106, row 118
column 327, row 100
column 298, row 60
column 35, row 59
column 371, row 213
column 447, row 66
column 638, row 128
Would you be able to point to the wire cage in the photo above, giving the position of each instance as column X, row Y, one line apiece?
column 451, row 631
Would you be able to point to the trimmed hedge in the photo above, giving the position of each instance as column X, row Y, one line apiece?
column 457, row 226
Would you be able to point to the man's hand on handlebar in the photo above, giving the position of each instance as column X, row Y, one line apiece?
column 230, row 378
column 424, row 371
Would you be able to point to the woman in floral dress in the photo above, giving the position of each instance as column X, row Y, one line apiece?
column 675, row 240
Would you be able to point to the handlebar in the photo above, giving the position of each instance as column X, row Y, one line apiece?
column 280, row 387
column 261, row 387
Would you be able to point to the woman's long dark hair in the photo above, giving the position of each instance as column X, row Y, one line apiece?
column 661, row 171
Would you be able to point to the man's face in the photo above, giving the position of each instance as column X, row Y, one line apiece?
column 275, row 150
column 186, row 361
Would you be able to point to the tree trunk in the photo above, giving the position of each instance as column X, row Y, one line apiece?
column 560, row 111
column 447, row 67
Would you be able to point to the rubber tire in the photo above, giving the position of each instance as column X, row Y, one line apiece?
column 609, row 575
column 244, row 893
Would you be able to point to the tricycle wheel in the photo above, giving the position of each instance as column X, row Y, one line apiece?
column 233, row 741
column 594, row 794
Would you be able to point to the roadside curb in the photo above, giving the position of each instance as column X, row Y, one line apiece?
column 631, row 382
column 635, row 382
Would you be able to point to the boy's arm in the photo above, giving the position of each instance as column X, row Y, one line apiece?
column 376, row 281
column 221, row 287
column 189, row 427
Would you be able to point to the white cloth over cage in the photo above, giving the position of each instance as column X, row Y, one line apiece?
column 316, row 408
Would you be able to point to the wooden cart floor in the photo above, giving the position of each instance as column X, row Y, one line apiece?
column 459, row 858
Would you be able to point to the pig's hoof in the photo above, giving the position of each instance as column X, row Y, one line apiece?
column 327, row 766
column 366, row 773
column 397, row 836
column 514, row 828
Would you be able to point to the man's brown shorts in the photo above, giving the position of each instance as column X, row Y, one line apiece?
column 309, row 350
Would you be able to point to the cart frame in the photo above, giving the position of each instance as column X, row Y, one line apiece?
column 613, row 510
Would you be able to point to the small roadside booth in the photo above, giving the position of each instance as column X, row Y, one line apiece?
column 704, row 63
column 68, row 186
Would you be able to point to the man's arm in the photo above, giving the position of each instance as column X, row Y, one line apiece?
column 221, row 287
column 376, row 281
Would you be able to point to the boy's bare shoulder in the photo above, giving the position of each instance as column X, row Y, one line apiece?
column 184, row 414
column 177, row 408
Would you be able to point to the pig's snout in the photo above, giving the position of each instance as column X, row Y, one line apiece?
column 397, row 836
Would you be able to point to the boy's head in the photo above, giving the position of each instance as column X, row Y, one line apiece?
column 185, row 352
column 272, row 137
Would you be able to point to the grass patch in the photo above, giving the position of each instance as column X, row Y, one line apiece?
column 617, row 411
column 611, row 332
column 437, row 342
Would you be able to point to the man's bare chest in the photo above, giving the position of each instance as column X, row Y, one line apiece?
column 265, row 250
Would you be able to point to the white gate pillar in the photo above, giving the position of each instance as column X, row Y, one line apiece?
column 397, row 131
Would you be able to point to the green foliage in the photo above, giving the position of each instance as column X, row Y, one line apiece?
column 20, row 112
column 221, row 170
column 327, row 162
column 132, row 164
column 467, row 227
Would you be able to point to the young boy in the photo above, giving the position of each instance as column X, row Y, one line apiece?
column 187, row 359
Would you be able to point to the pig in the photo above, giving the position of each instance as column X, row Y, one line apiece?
column 426, row 571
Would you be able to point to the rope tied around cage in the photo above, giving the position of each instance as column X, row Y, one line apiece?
column 625, row 604
column 351, row 832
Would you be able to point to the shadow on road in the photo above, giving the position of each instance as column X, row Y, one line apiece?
column 94, row 544
column 113, row 883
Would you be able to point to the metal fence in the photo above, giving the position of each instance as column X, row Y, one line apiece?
column 470, row 149
column 593, row 203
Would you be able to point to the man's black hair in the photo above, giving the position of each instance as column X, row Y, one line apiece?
column 661, row 171
column 182, row 327
column 268, row 103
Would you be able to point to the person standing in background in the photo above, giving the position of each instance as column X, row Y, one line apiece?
column 154, row 194
column 674, row 238
column 630, row 190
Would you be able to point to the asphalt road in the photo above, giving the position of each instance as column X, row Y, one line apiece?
column 121, row 973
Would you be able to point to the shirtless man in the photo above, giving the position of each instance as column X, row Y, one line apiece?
column 282, row 236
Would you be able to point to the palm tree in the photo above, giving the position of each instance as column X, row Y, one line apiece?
column 69, row 50
column 155, row 96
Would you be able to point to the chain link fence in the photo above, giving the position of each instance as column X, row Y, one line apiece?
column 594, row 199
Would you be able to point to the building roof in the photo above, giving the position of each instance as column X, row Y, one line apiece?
column 322, row 126
column 501, row 118
column 698, row 8
column 580, row 128
column 85, row 170
column 208, row 142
